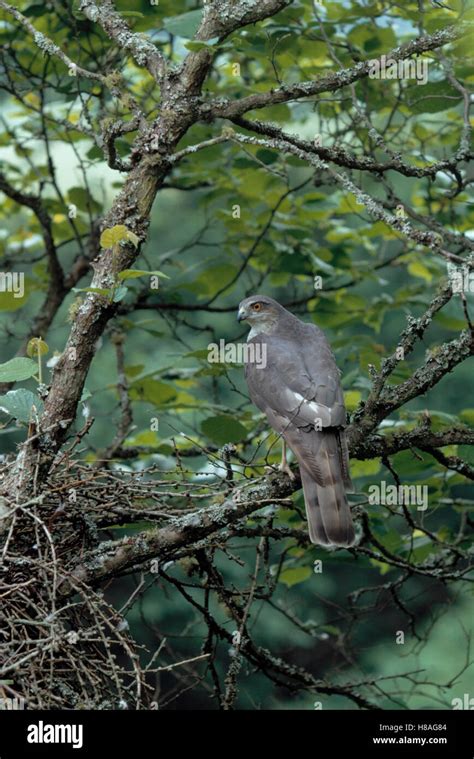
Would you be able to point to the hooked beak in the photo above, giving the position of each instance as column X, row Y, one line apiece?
column 241, row 315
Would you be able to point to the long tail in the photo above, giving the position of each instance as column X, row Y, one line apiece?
column 324, row 487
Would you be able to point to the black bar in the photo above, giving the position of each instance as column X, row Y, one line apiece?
column 212, row 733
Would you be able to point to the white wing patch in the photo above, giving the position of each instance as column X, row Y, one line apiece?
column 307, row 412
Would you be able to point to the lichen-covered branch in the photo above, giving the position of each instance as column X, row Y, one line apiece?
column 329, row 82
column 48, row 47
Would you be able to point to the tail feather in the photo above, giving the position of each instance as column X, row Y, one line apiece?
column 327, row 509
column 317, row 532
column 344, row 459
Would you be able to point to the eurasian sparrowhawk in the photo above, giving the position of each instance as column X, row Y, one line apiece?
column 298, row 387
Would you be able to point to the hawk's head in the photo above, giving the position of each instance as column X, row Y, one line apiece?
column 260, row 311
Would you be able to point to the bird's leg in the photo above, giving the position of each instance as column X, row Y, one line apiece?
column 284, row 466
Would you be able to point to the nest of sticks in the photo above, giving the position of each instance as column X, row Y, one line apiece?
column 62, row 643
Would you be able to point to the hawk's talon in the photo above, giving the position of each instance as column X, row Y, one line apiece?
column 285, row 467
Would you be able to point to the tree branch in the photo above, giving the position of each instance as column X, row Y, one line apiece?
column 47, row 46
column 381, row 445
column 144, row 52
column 329, row 82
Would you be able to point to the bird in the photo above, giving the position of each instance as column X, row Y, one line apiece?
column 298, row 387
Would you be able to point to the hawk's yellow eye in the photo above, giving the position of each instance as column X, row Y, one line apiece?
column 257, row 306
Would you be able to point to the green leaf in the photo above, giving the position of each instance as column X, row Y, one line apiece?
column 223, row 429
column 133, row 238
column 113, row 236
column 294, row 575
column 76, row 12
column 120, row 294
column 18, row 403
column 146, row 437
column 432, row 97
column 133, row 273
column 152, row 391
column 449, row 322
column 467, row 415
column 9, row 301
column 134, row 371
column 382, row 566
column 94, row 152
column 34, row 11
column 184, row 25
column 36, row 347
column 200, row 44
column 17, row 369
column 352, row 399
column 365, row 468
column 267, row 156
column 82, row 199
column 371, row 39
column 420, row 270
